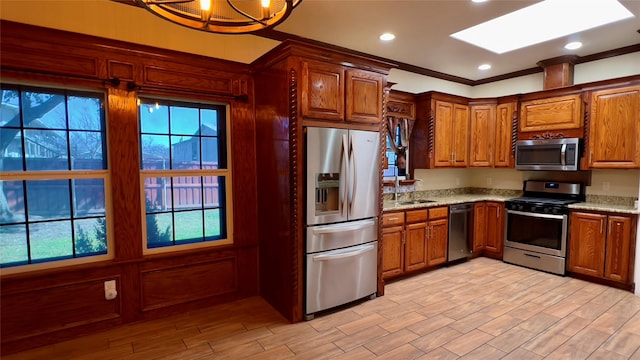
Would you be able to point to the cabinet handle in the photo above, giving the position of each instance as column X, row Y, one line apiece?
column 404, row 236
column 498, row 213
column 601, row 222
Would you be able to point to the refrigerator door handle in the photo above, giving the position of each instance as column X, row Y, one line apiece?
column 360, row 250
column 319, row 230
column 344, row 166
column 352, row 174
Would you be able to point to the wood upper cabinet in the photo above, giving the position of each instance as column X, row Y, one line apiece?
column 451, row 140
column 601, row 245
column 483, row 127
column 553, row 114
column 336, row 93
column 614, row 132
column 364, row 96
column 488, row 225
column 504, row 134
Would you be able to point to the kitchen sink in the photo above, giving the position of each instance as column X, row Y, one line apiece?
column 415, row 202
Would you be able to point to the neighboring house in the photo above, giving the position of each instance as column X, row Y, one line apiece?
column 189, row 149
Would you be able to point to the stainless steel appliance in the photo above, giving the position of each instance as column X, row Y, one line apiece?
column 552, row 154
column 536, row 225
column 342, row 174
column 460, row 236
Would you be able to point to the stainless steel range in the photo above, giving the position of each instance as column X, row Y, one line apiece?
column 537, row 224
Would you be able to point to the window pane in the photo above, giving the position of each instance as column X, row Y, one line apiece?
column 187, row 192
column 86, row 150
column 212, row 221
column 50, row 240
column 157, row 192
column 154, row 118
column 212, row 190
column 13, row 154
column 209, row 122
column 48, row 200
column 10, row 109
column 46, row 150
column 13, row 244
column 43, row 110
column 91, row 236
column 13, row 192
column 185, row 121
column 159, row 231
column 210, row 153
column 185, row 152
column 85, row 113
column 188, row 226
column 155, row 152
column 88, row 197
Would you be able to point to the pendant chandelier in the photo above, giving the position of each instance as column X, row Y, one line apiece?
column 222, row 16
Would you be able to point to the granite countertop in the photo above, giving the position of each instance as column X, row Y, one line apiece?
column 604, row 207
column 392, row 205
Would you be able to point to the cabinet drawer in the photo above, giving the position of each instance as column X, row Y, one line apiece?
column 438, row 213
column 416, row 215
column 393, row 219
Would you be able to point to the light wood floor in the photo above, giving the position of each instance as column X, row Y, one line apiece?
column 481, row 309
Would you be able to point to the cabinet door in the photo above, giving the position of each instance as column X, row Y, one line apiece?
column 587, row 243
column 556, row 113
column 483, row 118
column 618, row 248
column 614, row 134
column 503, row 135
column 443, row 146
column 460, row 135
column 392, row 251
column 479, row 227
column 364, row 97
column 437, row 241
column 322, row 91
column 495, row 229
column 416, row 246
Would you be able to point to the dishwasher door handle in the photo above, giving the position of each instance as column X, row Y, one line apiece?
column 361, row 250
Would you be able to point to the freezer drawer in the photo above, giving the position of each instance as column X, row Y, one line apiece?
column 338, row 277
column 335, row 236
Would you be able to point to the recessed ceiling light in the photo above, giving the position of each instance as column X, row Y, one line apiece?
column 387, row 37
column 573, row 45
column 484, row 67
column 530, row 25
column 479, row 1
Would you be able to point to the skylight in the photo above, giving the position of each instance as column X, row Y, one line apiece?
column 543, row 21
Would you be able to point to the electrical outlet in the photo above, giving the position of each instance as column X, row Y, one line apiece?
column 110, row 291
column 606, row 186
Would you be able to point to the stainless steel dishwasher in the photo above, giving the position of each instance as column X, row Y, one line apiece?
column 460, row 235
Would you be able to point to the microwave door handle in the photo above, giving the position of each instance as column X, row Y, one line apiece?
column 563, row 155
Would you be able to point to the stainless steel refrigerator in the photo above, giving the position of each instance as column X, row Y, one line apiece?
column 342, row 184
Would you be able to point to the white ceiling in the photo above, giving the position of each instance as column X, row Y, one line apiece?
column 422, row 29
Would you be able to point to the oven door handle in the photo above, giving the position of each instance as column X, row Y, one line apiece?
column 530, row 214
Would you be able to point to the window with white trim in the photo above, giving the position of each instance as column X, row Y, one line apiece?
column 54, row 179
column 185, row 175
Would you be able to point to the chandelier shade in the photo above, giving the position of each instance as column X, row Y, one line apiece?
column 222, row 16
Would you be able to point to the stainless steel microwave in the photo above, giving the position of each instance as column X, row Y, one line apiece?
column 551, row 154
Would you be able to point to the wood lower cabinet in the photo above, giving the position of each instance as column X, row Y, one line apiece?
column 614, row 135
column 413, row 240
column 488, row 225
column 602, row 245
